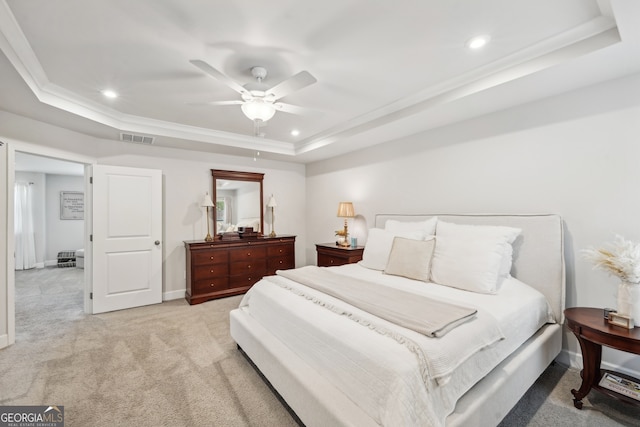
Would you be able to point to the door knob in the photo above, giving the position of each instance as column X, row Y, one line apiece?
column 157, row 242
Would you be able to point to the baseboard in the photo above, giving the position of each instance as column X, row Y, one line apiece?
column 4, row 341
column 51, row 263
column 39, row 264
column 574, row 360
column 171, row 295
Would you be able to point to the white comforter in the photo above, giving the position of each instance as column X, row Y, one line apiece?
column 380, row 374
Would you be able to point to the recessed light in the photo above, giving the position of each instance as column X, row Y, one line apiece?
column 109, row 93
column 478, row 41
column 295, row 132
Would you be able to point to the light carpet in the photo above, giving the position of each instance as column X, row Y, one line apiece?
column 172, row 364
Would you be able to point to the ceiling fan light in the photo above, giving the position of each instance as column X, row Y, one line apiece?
column 257, row 109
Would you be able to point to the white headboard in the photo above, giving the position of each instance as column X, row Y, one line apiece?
column 538, row 253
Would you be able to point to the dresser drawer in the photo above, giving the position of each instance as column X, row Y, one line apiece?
column 280, row 263
column 247, row 253
column 248, row 267
column 209, row 257
column 280, row 250
column 208, row 271
column 214, row 284
column 325, row 260
column 245, row 280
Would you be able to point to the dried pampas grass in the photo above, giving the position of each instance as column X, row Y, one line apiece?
column 621, row 259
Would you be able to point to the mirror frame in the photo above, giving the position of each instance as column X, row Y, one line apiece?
column 236, row 176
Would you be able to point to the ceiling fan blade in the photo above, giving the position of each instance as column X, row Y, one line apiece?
column 237, row 102
column 288, row 108
column 292, row 84
column 218, row 75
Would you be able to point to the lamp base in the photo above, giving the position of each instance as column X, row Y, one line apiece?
column 343, row 242
column 208, row 238
column 272, row 234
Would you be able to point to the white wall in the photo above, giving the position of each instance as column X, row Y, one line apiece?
column 38, row 189
column 577, row 155
column 62, row 235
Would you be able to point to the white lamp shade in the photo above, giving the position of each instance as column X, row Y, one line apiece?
column 207, row 202
column 258, row 109
column 272, row 202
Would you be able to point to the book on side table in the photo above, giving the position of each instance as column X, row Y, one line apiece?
column 620, row 385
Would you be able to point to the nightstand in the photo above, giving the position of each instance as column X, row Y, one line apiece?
column 330, row 254
column 593, row 331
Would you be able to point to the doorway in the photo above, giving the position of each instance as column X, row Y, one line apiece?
column 48, row 237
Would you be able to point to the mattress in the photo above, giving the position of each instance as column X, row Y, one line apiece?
column 380, row 376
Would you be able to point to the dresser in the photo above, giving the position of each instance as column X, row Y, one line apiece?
column 229, row 267
column 329, row 254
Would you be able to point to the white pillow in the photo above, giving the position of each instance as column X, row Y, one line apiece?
column 427, row 226
column 472, row 257
column 378, row 246
column 411, row 258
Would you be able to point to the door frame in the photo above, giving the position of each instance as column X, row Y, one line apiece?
column 39, row 150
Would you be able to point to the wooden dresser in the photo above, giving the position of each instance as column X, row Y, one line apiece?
column 230, row 267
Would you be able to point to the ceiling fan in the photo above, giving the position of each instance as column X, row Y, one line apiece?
column 259, row 103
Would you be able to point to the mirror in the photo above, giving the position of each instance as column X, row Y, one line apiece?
column 238, row 200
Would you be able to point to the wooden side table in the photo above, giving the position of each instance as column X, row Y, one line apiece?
column 329, row 254
column 593, row 331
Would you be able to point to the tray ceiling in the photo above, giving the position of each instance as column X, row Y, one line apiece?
column 384, row 70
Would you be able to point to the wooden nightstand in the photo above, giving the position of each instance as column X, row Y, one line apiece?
column 329, row 254
column 593, row 331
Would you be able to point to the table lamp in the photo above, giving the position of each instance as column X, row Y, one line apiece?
column 272, row 204
column 345, row 210
column 207, row 203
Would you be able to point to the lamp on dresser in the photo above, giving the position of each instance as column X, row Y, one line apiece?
column 345, row 210
column 207, row 203
column 272, row 204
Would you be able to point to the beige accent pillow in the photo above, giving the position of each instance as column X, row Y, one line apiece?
column 411, row 258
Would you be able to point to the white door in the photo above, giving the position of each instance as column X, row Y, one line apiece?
column 127, row 236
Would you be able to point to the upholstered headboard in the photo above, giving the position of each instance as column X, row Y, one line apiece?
column 538, row 253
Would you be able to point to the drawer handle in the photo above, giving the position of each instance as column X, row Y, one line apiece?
column 280, row 250
column 331, row 261
column 210, row 257
column 248, row 253
column 249, row 266
column 211, row 271
column 212, row 284
column 280, row 261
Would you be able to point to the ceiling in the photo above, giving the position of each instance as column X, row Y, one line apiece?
column 31, row 163
column 384, row 69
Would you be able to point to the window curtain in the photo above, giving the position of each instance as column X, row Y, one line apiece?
column 25, row 240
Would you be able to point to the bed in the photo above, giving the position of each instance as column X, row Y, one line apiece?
column 335, row 365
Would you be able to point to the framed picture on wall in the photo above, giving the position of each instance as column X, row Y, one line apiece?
column 71, row 205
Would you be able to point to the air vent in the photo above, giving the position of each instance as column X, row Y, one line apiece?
column 138, row 139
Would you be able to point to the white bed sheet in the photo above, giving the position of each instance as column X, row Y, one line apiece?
column 379, row 375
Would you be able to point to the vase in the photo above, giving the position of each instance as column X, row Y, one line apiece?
column 629, row 300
